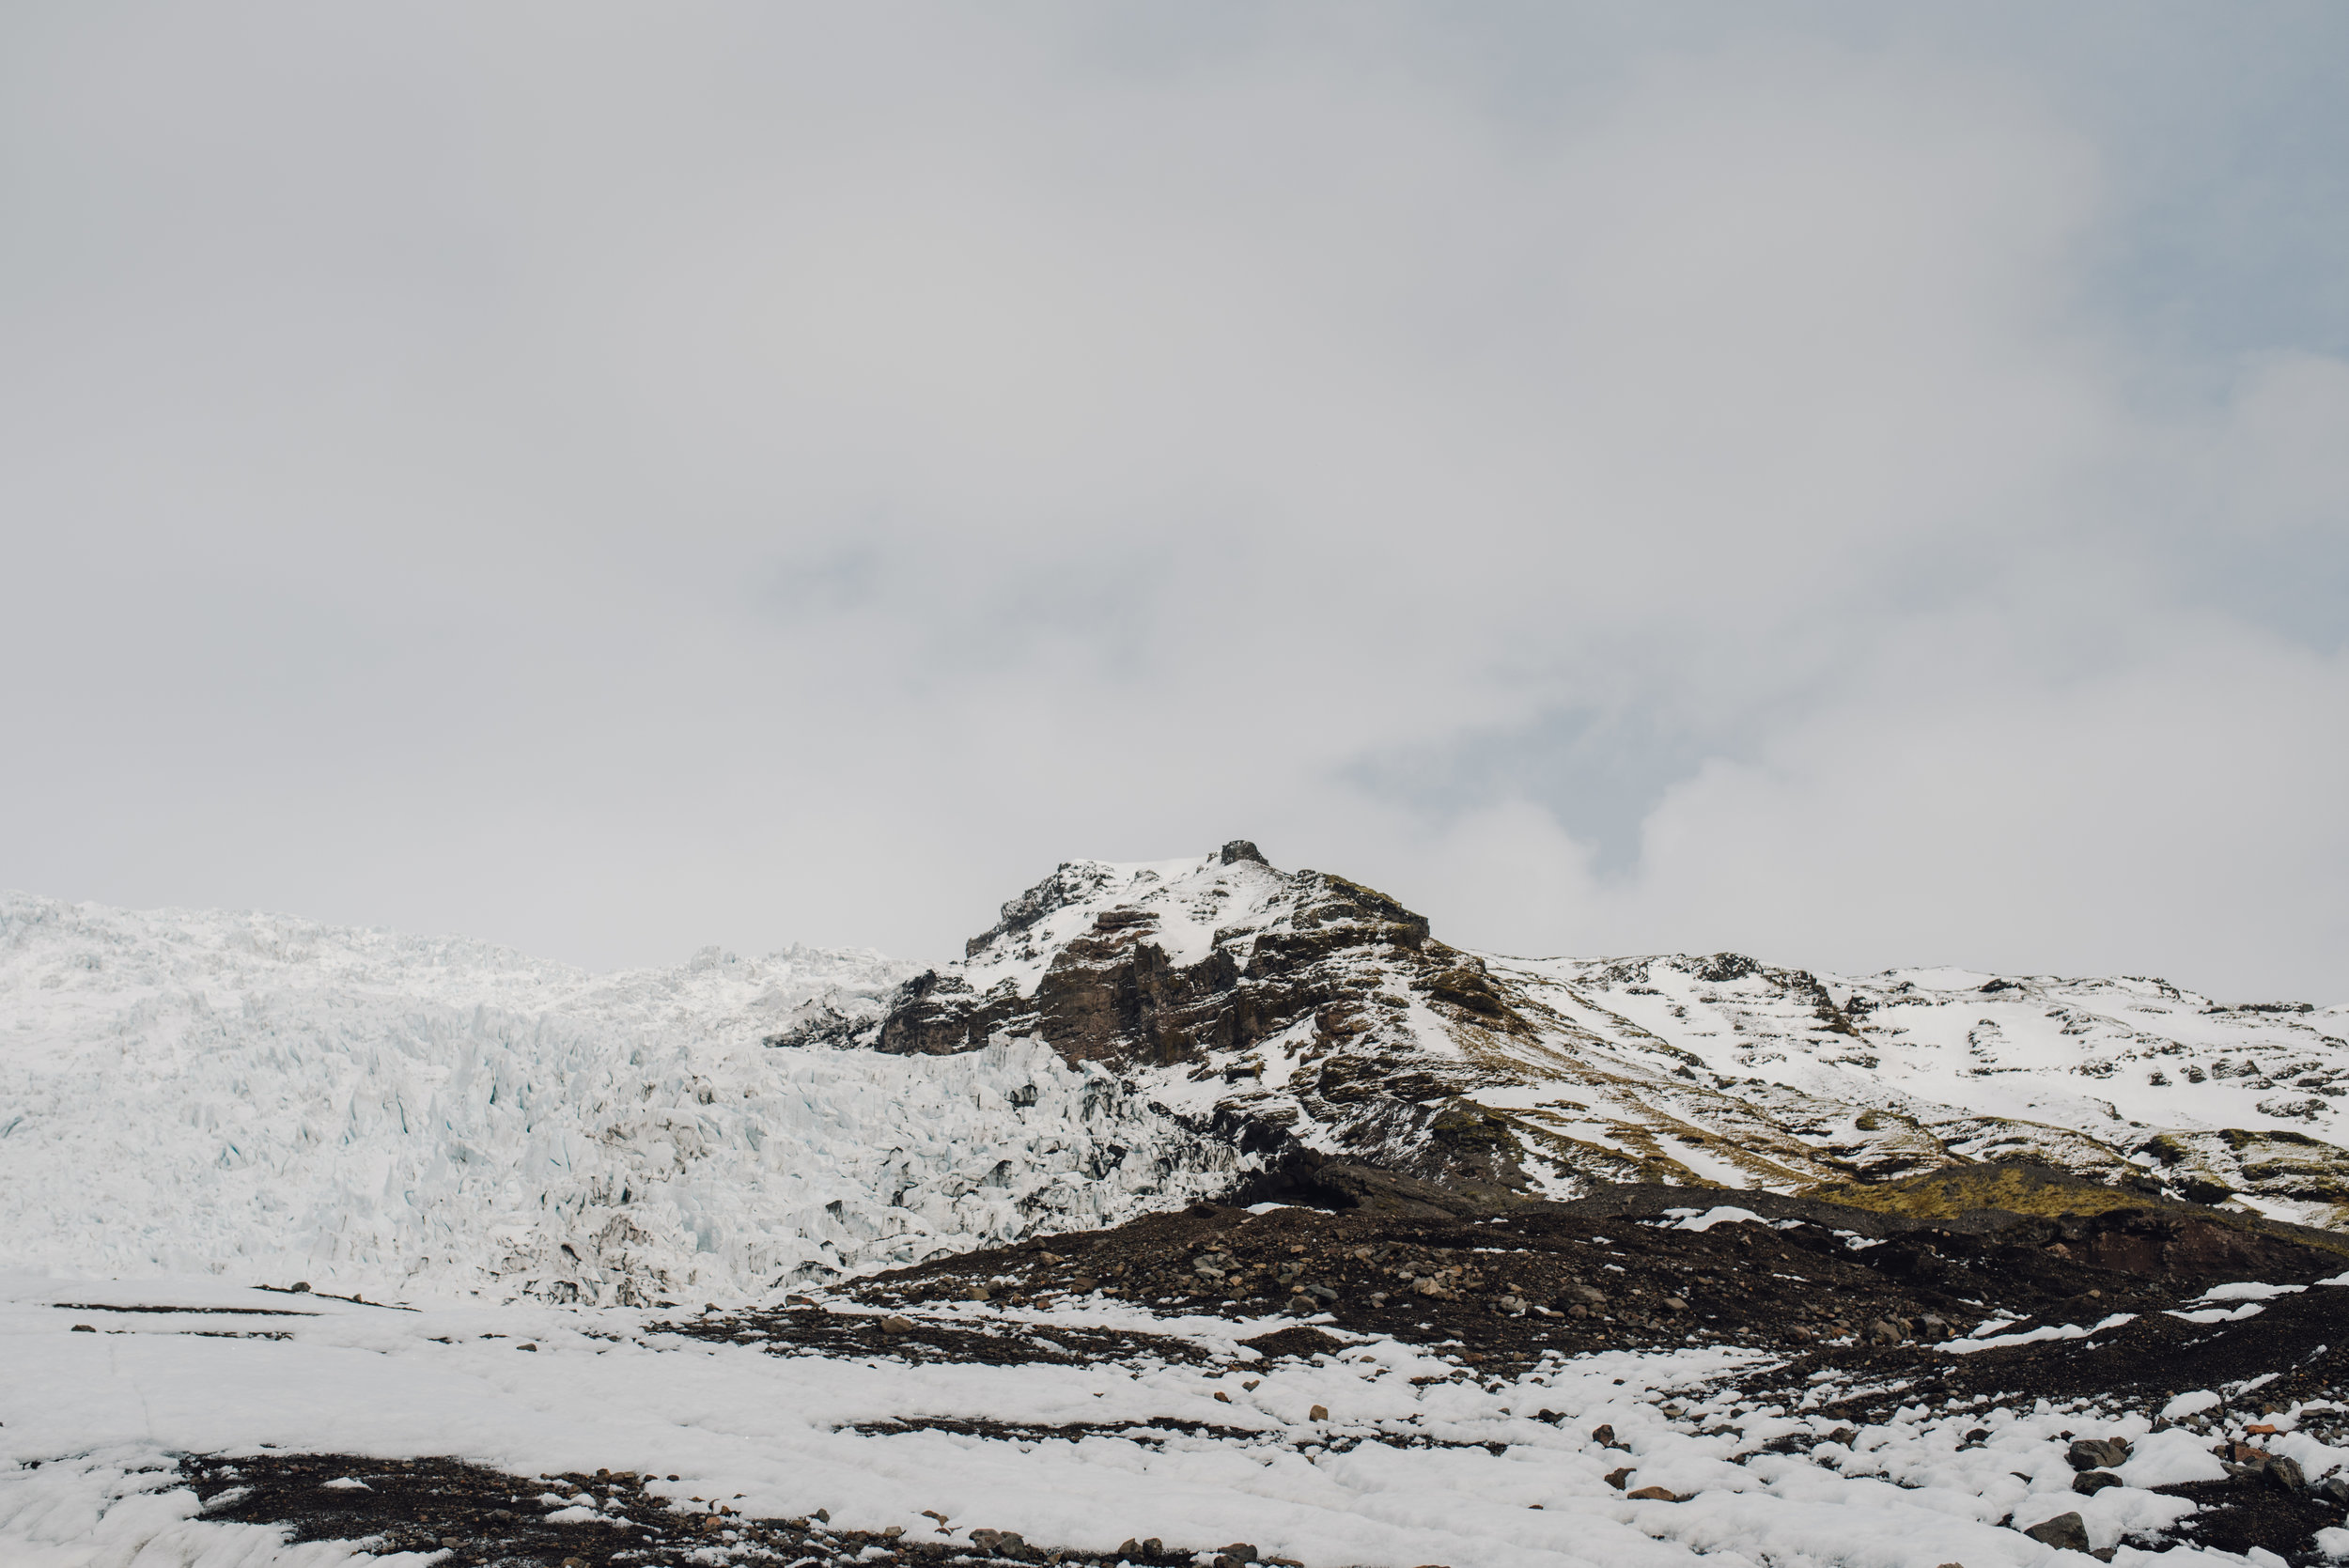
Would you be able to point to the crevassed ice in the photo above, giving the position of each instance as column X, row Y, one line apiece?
column 271, row 1100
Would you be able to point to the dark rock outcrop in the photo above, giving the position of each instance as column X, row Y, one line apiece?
column 1194, row 970
column 1112, row 993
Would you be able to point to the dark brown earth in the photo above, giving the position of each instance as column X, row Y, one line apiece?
column 2238, row 1516
column 488, row 1519
column 1612, row 1274
column 799, row 1328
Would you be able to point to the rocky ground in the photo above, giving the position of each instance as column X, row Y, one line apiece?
column 465, row 1515
column 1862, row 1314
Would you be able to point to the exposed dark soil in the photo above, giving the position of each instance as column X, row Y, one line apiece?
column 356, row 1300
column 2236, row 1515
column 1614, row 1275
column 204, row 1311
column 807, row 1329
column 422, row 1504
column 489, row 1519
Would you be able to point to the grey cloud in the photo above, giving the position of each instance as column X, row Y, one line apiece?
column 1597, row 774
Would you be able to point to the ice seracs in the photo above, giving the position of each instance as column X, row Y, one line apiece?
column 272, row 1099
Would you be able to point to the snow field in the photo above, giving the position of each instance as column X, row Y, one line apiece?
column 102, row 1414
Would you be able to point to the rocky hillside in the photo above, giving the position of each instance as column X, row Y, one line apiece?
column 1310, row 1019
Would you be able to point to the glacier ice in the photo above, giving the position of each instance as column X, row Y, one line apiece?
column 275, row 1100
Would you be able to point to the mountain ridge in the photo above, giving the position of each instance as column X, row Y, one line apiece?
column 1342, row 1026
column 267, row 1096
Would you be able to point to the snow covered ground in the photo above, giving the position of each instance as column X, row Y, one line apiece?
column 1445, row 1466
column 195, row 1104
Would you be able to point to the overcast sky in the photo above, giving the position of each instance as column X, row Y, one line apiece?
column 1857, row 485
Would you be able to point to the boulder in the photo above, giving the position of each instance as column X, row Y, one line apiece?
column 2098, row 1453
column 2065, row 1532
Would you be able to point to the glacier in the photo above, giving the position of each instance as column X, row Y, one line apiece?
column 278, row 1100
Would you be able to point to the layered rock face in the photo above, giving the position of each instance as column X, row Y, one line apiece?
column 1272, row 1003
column 1309, row 1018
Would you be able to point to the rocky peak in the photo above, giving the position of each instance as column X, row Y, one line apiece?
column 1300, row 1017
column 1154, row 963
column 1286, row 998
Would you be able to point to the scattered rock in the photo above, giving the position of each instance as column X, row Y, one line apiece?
column 1301, row 1342
column 892, row 1324
column 2088, row 1483
column 2065, row 1532
column 1619, row 1479
column 1653, row 1494
column 2098, row 1453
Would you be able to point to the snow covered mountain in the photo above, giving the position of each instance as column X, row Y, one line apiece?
column 1305, row 1013
column 272, row 1099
